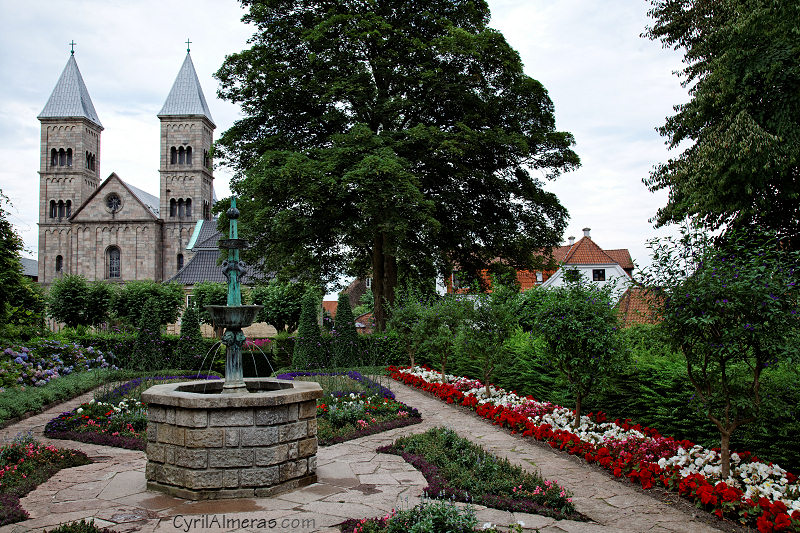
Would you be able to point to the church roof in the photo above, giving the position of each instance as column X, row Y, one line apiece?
column 186, row 96
column 151, row 202
column 70, row 98
column 30, row 267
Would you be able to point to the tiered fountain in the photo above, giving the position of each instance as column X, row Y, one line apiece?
column 242, row 437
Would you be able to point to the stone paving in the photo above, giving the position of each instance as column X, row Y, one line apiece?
column 353, row 481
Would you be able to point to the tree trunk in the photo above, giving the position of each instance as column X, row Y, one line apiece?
column 725, row 453
column 578, row 404
column 378, row 262
column 390, row 280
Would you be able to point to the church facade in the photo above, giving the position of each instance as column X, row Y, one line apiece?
column 110, row 230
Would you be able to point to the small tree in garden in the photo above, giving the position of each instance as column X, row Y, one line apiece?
column 190, row 344
column 282, row 303
column 439, row 326
column 134, row 298
column 98, row 302
column 491, row 323
column 148, row 349
column 731, row 308
column 66, row 300
column 209, row 293
column 405, row 318
column 579, row 327
column 345, row 340
column 308, row 349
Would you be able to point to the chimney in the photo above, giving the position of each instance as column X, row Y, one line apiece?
column 571, row 241
column 586, row 232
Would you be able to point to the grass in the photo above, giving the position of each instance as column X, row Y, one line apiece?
column 456, row 468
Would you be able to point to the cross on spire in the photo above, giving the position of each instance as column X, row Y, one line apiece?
column 188, row 42
column 72, row 44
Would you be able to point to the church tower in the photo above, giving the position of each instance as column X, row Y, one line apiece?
column 69, row 168
column 187, row 180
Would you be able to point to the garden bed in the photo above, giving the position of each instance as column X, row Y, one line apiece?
column 355, row 406
column 24, row 465
column 762, row 495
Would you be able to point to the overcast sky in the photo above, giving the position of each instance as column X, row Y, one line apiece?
column 611, row 89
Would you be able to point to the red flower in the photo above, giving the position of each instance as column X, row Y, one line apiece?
column 782, row 522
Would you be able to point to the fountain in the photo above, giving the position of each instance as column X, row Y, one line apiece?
column 243, row 437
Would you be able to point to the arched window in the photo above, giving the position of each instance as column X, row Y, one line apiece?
column 173, row 155
column 53, row 158
column 61, row 209
column 188, row 207
column 188, row 155
column 92, row 161
column 59, row 264
column 69, row 208
column 87, row 160
column 206, row 211
column 113, row 257
column 206, row 159
column 53, row 209
column 173, row 207
column 181, row 155
column 62, row 158
column 180, row 261
column 69, row 157
column 180, row 208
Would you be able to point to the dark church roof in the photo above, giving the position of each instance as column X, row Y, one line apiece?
column 151, row 202
column 70, row 98
column 186, row 96
column 204, row 266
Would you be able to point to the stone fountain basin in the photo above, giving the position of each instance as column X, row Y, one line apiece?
column 236, row 317
column 205, row 445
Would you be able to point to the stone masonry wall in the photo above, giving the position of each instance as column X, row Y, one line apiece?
column 231, row 452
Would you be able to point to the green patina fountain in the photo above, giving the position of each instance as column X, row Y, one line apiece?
column 234, row 316
column 240, row 438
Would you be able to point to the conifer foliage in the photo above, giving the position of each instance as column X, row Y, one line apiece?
column 345, row 340
column 309, row 351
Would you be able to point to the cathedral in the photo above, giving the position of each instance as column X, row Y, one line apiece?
column 111, row 230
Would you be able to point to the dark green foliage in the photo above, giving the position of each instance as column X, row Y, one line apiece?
column 731, row 308
column 366, row 304
column 740, row 131
column 11, row 277
column 163, row 301
column 386, row 138
column 190, row 349
column 309, row 350
column 578, row 325
column 438, row 328
column 80, row 527
column 209, row 293
column 99, row 296
column 282, row 303
column 148, row 350
column 67, row 300
column 345, row 337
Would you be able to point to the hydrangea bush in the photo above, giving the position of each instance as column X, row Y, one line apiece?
column 37, row 364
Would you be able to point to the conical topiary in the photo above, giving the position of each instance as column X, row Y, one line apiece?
column 187, row 352
column 308, row 349
column 148, row 350
column 345, row 336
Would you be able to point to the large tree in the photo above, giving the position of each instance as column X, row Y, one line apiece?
column 386, row 137
column 740, row 131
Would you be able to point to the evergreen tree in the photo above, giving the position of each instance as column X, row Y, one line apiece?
column 190, row 345
column 345, row 339
column 148, row 349
column 308, row 349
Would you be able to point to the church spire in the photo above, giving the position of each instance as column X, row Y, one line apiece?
column 186, row 96
column 70, row 98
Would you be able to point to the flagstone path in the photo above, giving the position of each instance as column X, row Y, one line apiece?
column 354, row 481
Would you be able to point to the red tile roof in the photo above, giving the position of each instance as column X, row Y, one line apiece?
column 635, row 307
column 621, row 256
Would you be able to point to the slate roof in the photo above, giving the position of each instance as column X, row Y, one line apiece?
column 186, row 96
column 203, row 265
column 30, row 267
column 70, row 98
column 150, row 201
